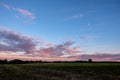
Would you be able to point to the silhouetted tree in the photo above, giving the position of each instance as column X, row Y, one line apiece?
column 90, row 60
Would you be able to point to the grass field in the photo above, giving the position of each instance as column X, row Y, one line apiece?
column 60, row 71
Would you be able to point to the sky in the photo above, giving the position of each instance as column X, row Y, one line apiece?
column 64, row 30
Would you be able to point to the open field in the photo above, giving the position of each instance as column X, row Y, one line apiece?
column 60, row 71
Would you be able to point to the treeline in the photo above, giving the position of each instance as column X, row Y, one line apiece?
column 18, row 61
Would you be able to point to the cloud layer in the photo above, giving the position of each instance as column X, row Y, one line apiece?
column 12, row 44
column 15, row 43
column 102, row 57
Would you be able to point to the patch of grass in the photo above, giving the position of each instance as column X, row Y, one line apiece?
column 60, row 71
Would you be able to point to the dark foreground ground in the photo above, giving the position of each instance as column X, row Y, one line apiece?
column 60, row 71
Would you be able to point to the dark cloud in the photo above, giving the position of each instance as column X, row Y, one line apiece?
column 14, row 42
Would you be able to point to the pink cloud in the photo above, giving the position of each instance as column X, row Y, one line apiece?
column 46, row 44
column 46, row 52
column 11, row 57
column 59, row 50
column 73, row 50
column 23, row 12
column 94, row 57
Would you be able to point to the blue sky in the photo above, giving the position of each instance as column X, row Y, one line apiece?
column 93, row 24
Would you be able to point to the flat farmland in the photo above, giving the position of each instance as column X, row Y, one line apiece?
column 60, row 71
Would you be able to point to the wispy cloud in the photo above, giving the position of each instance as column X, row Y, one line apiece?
column 74, row 17
column 81, row 15
column 23, row 12
column 5, row 5
column 90, row 37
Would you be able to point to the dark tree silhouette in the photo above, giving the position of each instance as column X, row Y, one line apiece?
column 90, row 60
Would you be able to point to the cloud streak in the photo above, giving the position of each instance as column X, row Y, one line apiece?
column 90, row 37
column 23, row 12
column 5, row 5
column 77, row 16
column 74, row 17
